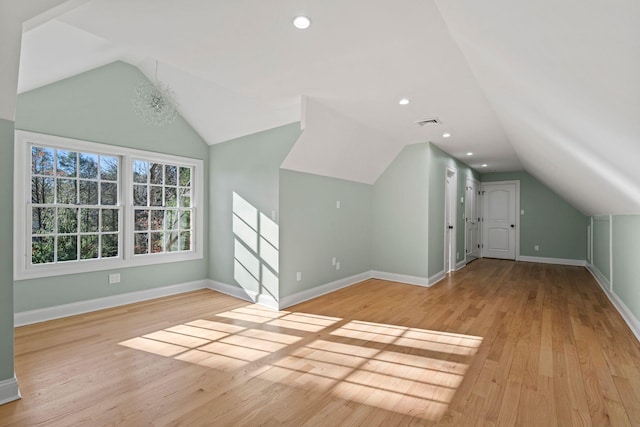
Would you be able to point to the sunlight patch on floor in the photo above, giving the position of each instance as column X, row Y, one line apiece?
column 406, row 370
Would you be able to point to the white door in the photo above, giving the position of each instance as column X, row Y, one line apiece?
column 499, row 220
column 449, row 221
column 472, row 219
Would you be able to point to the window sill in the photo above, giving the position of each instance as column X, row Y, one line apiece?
column 89, row 266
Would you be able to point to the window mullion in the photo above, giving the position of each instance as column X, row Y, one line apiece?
column 126, row 202
column 77, row 233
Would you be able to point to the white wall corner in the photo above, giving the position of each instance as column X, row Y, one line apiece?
column 268, row 301
column 9, row 390
column 265, row 300
column 327, row 288
column 557, row 261
column 401, row 278
column 631, row 320
column 56, row 312
column 436, row 278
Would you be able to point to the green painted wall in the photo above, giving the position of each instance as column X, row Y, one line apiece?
column 559, row 229
column 6, row 251
column 400, row 213
column 602, row 245
column 314, row 230
column 439, row 161
column 626, row 268
column 96, row 106
column 250, row 167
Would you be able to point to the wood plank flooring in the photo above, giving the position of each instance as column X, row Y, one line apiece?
column 497, row 343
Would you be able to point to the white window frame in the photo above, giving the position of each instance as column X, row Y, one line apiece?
column 22, row 267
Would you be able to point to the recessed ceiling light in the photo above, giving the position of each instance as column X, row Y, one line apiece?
column 301, row 22
column 404, row 101
column 446, row 135
column 469, row 153
column 484, row 165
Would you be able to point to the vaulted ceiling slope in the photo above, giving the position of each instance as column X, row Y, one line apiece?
column 241, row 67
column 564, row 79
column 13, row 14
column 551, row 86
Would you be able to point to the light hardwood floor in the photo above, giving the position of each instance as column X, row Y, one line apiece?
column 497, row 343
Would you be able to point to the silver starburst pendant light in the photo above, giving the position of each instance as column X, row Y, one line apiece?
column 155, row 102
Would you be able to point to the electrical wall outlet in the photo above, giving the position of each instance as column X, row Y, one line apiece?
column 299, row 276
column 536, row 248
column 114, row 278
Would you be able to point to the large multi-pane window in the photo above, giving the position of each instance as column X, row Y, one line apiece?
column 84, row 206
column 162, row 207
column 75, row 214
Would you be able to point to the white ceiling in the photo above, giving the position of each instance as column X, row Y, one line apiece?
column 564, row 80
column 241, row 67
column 551, row 86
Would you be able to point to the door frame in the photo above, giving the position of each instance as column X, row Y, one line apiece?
column 518, row 213
column 478, row 201
column 450, row 217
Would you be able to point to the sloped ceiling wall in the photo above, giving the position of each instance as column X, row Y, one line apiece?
column 333, row 145
column 237, row 73
column 13, row 15
column 564, row 80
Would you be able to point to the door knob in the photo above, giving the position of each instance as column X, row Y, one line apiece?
column 513, row 226
column 451, row 227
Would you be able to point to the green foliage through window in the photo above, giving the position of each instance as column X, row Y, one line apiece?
column 74, row 205
column 86, row 202
column 162, row 203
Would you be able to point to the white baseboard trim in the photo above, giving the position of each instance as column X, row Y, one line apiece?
column 9, row 390
column 323, row 289
column 230, row 290
column 631, row 320
column 50, row 313
column 243, row 294
column 437, row 277
column 558, row 261
column 460, row 265
column 597, row 274
column 401, row 278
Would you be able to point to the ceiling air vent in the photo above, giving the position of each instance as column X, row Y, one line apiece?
column 429, row 122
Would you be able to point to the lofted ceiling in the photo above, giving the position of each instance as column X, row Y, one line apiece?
column 241, row 67
column 563, row 78
column 552, row 87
